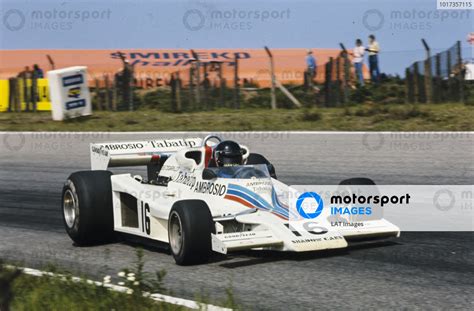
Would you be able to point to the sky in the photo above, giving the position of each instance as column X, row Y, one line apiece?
column 398, row 25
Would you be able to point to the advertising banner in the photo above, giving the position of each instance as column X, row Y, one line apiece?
column 69, row 93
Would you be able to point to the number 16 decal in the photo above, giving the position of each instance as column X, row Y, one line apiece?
column 146, row 218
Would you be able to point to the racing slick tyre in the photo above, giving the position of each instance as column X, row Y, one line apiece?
column 358, row 181
column 190, row 226
column 362, row 181
column 87, row 207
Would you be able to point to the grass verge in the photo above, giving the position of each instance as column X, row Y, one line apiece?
column 52, row 291
column 368, row 117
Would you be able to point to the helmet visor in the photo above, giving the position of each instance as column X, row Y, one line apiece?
column 228, row 160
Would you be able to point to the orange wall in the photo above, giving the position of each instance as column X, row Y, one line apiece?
column 160, row 63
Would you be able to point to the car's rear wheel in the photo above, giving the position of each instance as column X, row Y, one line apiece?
column 190, row 226
column 87, row 207
column 377, row 212
column 358, row 181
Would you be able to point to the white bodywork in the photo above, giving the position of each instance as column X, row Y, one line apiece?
column 248, row 213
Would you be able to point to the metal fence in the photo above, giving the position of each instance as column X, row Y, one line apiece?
column 28, row 94
column 438, row 78
column 337, row 80
column 206, row 85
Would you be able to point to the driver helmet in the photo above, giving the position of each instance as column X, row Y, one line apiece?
column 228, row 153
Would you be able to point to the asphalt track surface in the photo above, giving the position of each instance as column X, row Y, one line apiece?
column 417, row 271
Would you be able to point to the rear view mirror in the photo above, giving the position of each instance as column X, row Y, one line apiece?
column 208, row 174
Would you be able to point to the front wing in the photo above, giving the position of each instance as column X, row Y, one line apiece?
column 274, row 234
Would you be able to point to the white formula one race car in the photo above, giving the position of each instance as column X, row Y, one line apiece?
column 200, row 196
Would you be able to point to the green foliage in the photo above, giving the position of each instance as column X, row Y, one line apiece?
column 63, row 292
column 54, row 291
column 469, row 93
column 159, row 99
column 7, row 278
column 258, row 99
column 230, row 301
column 370, row 110
column 310, row 115
column 139, row 281
column 390, row 91
column 357, row 117
column 360, row 95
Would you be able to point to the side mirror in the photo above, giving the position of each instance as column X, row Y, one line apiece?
column 208, row 174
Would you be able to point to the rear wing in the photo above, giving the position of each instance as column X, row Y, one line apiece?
column 135, row 153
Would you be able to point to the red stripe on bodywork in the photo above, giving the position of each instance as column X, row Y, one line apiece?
column 207, row 156
column 245, row 203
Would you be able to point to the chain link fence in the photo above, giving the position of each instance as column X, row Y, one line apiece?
column 438, row 78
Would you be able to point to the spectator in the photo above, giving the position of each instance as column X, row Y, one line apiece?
column 373, row 50
column 311, row 66
column 25, row 74
column 127, row 84
column 358, row 60
column 125, row 79
column 13, row 101
column 37, row 72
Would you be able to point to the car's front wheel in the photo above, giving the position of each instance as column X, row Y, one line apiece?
column 87, row 207
column 190, row 226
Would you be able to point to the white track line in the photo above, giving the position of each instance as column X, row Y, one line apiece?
column 122, row 289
